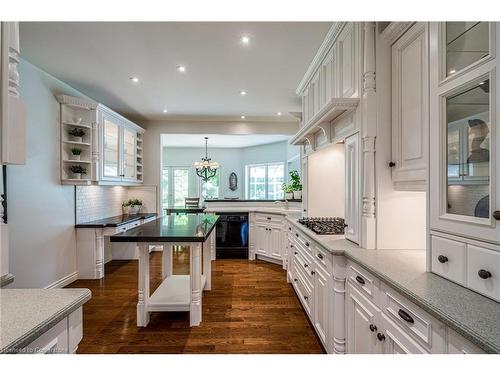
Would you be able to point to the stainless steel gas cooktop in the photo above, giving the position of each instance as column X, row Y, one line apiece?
column 324, row 225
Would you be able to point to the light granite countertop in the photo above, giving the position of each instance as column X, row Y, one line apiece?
column 472, row 315
column 6, row 280
column 25, row 314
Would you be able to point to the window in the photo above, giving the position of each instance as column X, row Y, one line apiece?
column 264, row 181
column 181, row 186
column 210, row 189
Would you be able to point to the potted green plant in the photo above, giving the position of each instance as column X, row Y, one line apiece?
column 295, row 184
column 77, row 134
column 77, row 171
column 288, row 191
column 75, row 153
column 132, row 206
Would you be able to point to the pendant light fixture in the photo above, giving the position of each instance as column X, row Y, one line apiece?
column 206, row 168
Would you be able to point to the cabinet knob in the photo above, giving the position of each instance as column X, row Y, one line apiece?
column 360, row 280
column 268, row 218
column 320, row 256
column 307, row 244
column 442, row 259
column 296, row 234
column 483, row 274
column 295, row 252
column 380, row 336
column 313, row 273
column 392, row 164
column 295, row 280
column 306, row 265
column 306, row 297
column 373, row 328
column 496, row 215
column 405, row 316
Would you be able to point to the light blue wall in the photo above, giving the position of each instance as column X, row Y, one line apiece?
column 42, row 246
column 231, row 160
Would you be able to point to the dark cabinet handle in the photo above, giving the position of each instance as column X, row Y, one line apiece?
column 360, row 280
column 313, row 273
column 405, row 316
column 496, row 215
column 306, row 297
column 320, row 256
column 307, row 244
column 483, row 274
column 442, row 259
column 373, row 328
column 295, row 252
column 291, row 245
column 268, row 218
column 306, row 265
column 392, row 164
column 380, row 336
column 295, row 280
column 296, row 234
column 289, row 228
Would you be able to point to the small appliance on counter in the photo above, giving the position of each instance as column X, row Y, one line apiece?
column 324, row 225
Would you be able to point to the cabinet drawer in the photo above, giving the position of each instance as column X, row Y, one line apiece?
column 483, row 271
column 304, row 292
column 268, row 218
column 323, row 258
column 363, row 281
column 422, row 327
column 302, row 241
column 303, row 267
column 448, row 259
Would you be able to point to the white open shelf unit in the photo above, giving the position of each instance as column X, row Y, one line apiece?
column 139, row 154
column 173, row 294
column 77, row 114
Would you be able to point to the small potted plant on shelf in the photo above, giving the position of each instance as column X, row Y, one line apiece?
column 288, row 191
column 75, row 153
column 77, row 171
column 132, row 206
column 295, row 184
column 77, row 134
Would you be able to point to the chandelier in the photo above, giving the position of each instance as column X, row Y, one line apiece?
column 206, row 168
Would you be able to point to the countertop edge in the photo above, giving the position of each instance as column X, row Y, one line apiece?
column 6, row 280
column 422, row 303
column 23, row 340
column 104, row 225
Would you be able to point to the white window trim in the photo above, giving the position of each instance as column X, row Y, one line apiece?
column 266, row 164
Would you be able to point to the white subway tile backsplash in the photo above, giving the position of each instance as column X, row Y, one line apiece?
column 98, row 202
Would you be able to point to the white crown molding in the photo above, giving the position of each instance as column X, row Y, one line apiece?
column 76, row 102
column 328, row 42
column 395, row 29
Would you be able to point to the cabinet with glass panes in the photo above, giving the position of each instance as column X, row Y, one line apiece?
column 464, row 168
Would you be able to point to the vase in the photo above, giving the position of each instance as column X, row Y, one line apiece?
column 297, row 194
column 74, row 157
column 135, row 209
column 77, row 139
column 77, row 176
column 288, row 196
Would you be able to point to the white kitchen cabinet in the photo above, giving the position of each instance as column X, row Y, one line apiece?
column 464, row 108
column 410, row 109
column 361, row 324
column 120, row 147
column 352, row 188
column 269, row 239
column 322, row 303
column 12, row 110
column 459, row 345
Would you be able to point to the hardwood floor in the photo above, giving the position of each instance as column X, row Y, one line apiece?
column 250, row 309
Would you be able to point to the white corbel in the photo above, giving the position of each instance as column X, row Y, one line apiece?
column 310, row 139
column 326, row 128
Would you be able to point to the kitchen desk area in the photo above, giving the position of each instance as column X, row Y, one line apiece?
column 176, row 292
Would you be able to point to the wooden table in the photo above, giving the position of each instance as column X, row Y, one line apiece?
column 176, row 292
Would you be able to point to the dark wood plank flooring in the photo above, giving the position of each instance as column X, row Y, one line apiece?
column 250, row 309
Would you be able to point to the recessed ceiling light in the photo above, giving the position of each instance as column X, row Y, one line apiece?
column 278, row 113
column 134, row 79
column 245, row 39
column 242, row 117
column 165, row 110
column 243, row 92
column 181, row 68
column 453, row 71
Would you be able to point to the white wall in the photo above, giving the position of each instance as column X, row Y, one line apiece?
column 42, row 246
column 231, row 160
column 326, row 182
column 154, row 129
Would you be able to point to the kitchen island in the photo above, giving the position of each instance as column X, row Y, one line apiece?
column 176, row 292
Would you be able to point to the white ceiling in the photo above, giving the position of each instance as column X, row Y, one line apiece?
column 98, row 59
column 219, row 141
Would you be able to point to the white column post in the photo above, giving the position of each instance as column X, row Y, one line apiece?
column 369, row 131
column 207, row 262
column 195, row 280
column 339, row 279
column 166, row 264
column 142, row 304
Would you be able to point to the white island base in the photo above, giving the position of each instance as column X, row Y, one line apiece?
column 176, row 292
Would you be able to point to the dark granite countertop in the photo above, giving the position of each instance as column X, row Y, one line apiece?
column 171, row 228
column 115, row 221
column 250, row 200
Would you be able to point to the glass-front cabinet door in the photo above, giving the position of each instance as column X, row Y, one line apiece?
column 111, row 149
column 464, row 166
column 129, row 154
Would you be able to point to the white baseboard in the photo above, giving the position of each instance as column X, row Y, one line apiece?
column 61, row 283
column 269, row 259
